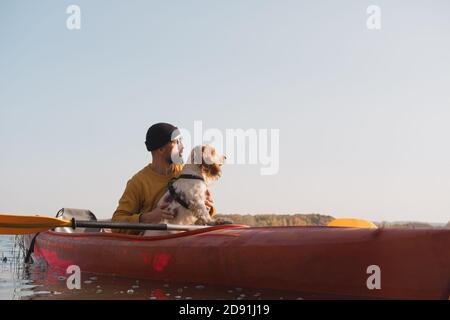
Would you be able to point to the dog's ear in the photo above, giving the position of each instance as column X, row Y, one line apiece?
column 213, row 170
column 209, row 167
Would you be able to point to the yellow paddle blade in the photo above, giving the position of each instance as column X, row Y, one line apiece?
column 352, row 223
column 14, row 224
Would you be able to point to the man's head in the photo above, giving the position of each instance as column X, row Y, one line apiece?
column 163, row 140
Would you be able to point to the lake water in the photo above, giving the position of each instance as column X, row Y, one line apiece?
column 30, row 281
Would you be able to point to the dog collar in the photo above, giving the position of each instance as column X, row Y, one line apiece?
column 189, row 176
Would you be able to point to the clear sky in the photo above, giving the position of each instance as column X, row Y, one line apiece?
column 363, row 114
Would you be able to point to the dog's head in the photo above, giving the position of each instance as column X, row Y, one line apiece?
column 209, row 161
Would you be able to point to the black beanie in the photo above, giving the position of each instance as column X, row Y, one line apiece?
column 158, row 135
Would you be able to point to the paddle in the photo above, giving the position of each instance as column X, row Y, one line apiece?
column 15, row 224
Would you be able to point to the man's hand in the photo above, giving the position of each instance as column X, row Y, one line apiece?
column 209, row 203
column 155, row 216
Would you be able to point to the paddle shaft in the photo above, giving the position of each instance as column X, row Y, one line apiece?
column 132, row 226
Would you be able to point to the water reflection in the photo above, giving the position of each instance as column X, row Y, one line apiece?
column 93, row 286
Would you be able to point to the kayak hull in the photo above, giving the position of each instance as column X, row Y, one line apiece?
column 360, row 263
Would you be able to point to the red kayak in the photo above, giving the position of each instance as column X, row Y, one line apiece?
column 352, row 262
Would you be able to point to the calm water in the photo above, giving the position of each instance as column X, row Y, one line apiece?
column 31, row 281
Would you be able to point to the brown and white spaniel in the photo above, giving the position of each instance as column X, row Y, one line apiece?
column 186, row 194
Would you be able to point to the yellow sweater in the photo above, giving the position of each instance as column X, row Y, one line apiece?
column 142, row 194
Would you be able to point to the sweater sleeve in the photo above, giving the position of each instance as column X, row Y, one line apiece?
column 129, row 206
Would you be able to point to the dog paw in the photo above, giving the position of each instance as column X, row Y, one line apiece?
column 202, row 222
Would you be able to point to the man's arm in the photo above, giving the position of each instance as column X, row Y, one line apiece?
column 129, row 206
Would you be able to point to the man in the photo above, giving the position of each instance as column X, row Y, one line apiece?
column 145, row 188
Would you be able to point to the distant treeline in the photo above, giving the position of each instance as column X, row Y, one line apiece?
column 261, row 220
column 410, row 225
